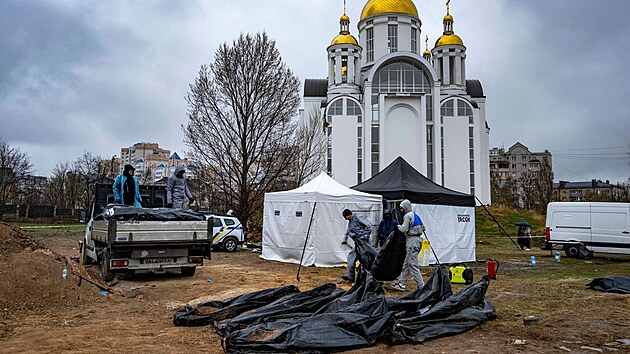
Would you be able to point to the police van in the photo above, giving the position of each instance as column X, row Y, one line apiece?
column 227, row 232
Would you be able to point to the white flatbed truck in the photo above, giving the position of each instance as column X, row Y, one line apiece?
column 129, row 246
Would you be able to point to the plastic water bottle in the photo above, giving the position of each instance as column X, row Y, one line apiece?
column 556, row 257
column 532, row 260
column 64, row 273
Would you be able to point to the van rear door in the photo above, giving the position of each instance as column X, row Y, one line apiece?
column 610, row 226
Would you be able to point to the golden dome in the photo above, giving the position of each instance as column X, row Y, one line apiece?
column 447, row 39
column 344, row 17
column 448, row 17
column 426, row 52
column 375, row 7
column 344, row 39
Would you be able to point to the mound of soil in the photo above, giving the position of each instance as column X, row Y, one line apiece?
column 30, row 278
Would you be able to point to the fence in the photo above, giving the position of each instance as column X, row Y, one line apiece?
column 40, row 213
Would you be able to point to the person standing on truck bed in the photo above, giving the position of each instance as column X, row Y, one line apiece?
column 126, row 188
column 177, row 193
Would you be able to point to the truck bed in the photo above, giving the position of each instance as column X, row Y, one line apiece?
column 121, row 232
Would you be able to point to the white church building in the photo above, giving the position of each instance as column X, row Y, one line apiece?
column 386, row 98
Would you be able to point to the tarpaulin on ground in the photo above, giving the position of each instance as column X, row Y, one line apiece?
column 326, row 319
column 208, row 312
column 120, row 212
column 355, row 320
column 304, row 302
column 618, row 284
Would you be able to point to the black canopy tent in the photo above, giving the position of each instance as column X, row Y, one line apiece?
column 400, row 180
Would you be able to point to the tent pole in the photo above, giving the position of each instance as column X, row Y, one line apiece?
column 500, row 227
column 306, row 240
column 432, row 250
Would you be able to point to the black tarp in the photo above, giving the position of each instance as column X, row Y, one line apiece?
column 120, row 212
column 208, row 312
column 400, row 180
column 326, row 319
column 618, row 284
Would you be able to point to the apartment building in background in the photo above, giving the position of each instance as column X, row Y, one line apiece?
column 516, row 162
column 152, row 162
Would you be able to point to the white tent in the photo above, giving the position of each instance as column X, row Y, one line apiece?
column 287, row 216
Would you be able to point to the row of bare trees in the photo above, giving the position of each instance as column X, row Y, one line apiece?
column 532, row 190
column 70, row 185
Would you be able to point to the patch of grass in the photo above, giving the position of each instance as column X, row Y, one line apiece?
column 507, row 217
column 49, row 230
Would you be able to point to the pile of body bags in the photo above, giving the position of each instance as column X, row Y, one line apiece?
column 327, row 318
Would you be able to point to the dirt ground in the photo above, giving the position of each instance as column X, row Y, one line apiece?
column 41, row 312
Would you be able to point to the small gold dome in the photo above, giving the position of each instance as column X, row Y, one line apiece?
column 426, row 52
column 344, row 39
column 344, row 17
column 448, row 17
column 375, row 7
column 447, row 39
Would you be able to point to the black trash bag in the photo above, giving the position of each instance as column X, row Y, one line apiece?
column 366, row 254
column 304, row 302
column 390, row 259
column 583, row 252
column 456, row 314
column 436, row 289
column 119, row 212
column 618, row 284
column 356, row 320
column 203, row 314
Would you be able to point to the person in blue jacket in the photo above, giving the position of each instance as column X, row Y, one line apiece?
column 126, row 188
column 386, row 227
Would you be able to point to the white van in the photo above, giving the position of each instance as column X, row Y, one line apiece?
column 601, row 227
column 227, row 232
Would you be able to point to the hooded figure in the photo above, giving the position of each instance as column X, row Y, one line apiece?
column 126, row 188
column 177, row 193
column 413, row 228
column 358, row 227
column 386, row 227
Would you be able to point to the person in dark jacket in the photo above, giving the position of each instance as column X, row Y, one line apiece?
column 126, row 188
column 177, row 193
column 358, row 227
column 386, row 227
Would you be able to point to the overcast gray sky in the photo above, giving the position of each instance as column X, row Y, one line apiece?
column 81, row 75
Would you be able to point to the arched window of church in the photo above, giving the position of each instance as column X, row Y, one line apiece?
column 336, row 108
column 353, row 108
column 463, row 109
column 447, row 109
column 401, row 76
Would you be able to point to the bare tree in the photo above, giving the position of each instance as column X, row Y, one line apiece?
column 88, row 168
column 311, row 145
column 65, row 187
column 503, row 192
column 241, row 127
column 14, row 166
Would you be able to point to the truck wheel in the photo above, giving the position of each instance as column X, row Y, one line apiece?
column 230, row 244
column 106, row 273
column 188, row 271
column 571, row 250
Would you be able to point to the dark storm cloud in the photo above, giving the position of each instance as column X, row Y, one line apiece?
column 566, row 90
column 98, row 76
